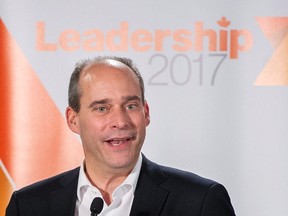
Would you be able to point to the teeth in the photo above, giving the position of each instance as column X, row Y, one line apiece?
column 117, row 142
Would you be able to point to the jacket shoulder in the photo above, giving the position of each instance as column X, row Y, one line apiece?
column 51, row 183
column 185, row 177
column 175, row 177
column 187, row 193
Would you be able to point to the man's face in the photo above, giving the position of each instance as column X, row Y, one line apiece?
column 112, row 119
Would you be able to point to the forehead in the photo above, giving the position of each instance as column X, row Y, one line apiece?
column 107, row 68
column 108, row 73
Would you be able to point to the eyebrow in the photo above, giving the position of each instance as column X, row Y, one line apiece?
column 94, row 103
column 105, row 101
column 131, row 97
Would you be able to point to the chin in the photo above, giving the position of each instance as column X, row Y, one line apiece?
column 123, row 162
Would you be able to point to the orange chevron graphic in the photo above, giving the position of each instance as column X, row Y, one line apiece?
column 6, row 188
column 35, row 141
column 275, row 72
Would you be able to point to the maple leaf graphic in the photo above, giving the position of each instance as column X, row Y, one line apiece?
column 223, row 22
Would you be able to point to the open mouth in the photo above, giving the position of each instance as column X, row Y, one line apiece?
column 119, row 141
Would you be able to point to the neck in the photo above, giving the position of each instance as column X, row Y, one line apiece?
column 105, row 181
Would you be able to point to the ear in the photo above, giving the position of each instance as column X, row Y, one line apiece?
column 146, row 113
column 72, row 119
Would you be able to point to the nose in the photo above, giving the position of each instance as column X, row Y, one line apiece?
column 119, row 119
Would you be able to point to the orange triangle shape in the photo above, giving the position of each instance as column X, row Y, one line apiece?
column 37, row 140
column 274, row 28
column 275, row 72
column 6, row 189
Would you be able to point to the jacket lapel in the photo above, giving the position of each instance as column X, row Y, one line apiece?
column 149, row 198
column 63, row 199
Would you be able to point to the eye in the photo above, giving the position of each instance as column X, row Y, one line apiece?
column 101, row 109
column 132, row 106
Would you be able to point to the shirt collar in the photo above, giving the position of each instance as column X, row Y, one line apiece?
column 84, row 183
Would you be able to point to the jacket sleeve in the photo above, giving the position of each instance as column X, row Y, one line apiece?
column 12, row 209
column 217, row 202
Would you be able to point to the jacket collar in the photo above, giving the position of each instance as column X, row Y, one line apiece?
column 149, row 196
column 63, row 199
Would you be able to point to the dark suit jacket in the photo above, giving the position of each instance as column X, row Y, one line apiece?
column 160, row 191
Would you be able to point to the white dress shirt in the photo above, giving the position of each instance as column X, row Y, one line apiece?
column 122, row 196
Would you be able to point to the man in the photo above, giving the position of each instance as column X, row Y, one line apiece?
column 108, row 110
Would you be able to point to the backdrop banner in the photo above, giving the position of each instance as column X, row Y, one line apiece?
column 216, row 76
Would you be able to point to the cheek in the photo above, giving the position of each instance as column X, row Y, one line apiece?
column 90, row 126
column 142, row 122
